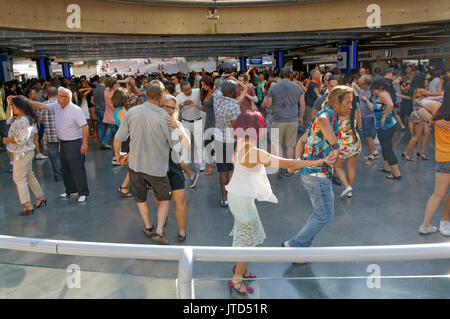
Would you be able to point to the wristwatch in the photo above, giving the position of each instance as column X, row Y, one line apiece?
column 335, row 146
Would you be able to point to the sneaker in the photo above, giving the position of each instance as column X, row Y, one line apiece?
column 346, row 191
column 285, row 244
column 376, row 154
column 427, row 230
column 82, row 199
column 223, row 203
column 202, row 168
column 41, row 156
column 194, row 180
column 349, row 195
column 11, row 168
column 160, row 238
column 444, row 228
column 65, row 195
column 106, row 147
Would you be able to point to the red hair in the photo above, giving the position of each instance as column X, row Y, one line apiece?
column 249, row 124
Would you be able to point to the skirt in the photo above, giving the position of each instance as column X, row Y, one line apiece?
column 247, row 230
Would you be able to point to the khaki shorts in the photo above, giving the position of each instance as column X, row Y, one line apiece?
column 287, row 133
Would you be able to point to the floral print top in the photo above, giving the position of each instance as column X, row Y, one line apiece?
column 23, row 133
column 316, row 146
column 378, row 111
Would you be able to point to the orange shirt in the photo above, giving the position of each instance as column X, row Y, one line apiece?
column 442, row 141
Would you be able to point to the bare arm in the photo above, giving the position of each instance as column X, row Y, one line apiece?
column 267, row 103
column 300, row 147
column 385, row 98
column 184, row 138
column 302, row 109
column 84, row 145
column 241, row 97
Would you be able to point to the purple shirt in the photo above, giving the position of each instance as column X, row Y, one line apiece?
column 68, row 120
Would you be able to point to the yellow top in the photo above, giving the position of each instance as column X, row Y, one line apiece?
column 2, row 111
column 442, row 141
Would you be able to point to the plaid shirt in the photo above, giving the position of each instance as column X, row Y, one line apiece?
column 49, row 123
column 225, row 110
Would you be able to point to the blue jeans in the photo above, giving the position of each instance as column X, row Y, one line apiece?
column 101, row 126
column 322, row 198
column 54, row 159
column 110, row 132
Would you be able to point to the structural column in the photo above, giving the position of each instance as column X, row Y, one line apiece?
column 279, row 59
column 347, row 56
column 243, row 63
column 6, row 67
column 66, row 69
column 44, row 68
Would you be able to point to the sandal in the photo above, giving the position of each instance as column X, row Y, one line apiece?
column 124, row 194
column 247, row 275
column 381, row 169
column 392, row 176
column 240, row 287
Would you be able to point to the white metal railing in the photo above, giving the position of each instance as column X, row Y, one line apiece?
column 185, row 255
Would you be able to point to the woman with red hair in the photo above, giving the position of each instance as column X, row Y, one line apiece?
column 249, row 182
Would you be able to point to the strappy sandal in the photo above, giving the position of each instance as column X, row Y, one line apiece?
column 392, row 176
column 126, row 194
column 382, row 170
column 240, row 287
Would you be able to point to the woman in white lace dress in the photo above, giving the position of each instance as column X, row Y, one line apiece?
column 249, row 182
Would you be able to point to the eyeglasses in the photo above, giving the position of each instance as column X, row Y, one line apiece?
column 170, row 107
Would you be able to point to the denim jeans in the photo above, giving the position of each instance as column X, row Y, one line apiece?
column 54, row 159
column 101, row 126
column 322, row 199
column 110, row 132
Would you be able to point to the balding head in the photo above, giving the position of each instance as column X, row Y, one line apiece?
column 52, row 92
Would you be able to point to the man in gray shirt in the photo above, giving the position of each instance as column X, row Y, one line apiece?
column 98, row 99
column 284, row 98
column 148, row 160
column 368, row 119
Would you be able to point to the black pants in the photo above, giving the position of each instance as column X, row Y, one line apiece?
column 385, row 137
column 73, row 170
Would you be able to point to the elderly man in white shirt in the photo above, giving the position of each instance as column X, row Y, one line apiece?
column 72, row 131
column 193, row 118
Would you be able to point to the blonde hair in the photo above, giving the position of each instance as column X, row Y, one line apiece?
column 337, row 94
column 170, row 97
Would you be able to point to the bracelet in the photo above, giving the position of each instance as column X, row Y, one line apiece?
column 335, row 146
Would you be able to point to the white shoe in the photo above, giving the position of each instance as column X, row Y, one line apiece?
column 349, row 195
column 444, row 228
column 41, row 156
column 65, row 195
column 427, row 230
column 346, row 191
column 82, row 199
column 194, row 180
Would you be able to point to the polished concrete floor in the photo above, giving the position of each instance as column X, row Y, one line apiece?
column 381, row 212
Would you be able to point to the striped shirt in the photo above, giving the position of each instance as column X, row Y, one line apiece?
column 49, row 122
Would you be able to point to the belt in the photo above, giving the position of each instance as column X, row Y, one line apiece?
column 70, row 141
column 319, row 174
column 192, row 121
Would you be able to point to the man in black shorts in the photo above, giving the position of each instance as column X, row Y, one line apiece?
column 148, row 160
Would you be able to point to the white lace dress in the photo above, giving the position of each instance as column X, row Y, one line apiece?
column 246, row 185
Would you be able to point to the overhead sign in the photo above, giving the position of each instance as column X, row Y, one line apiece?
column 256, row 61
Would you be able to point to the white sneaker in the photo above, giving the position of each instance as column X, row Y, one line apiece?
column 194, row 180
column 65, row 195
column 82, row 199
column 41, row 156
column 444, row 228
column 346, row 191
column 427, row 230
column 349, row 195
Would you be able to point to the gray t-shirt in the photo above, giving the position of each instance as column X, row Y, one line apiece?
column 285, row 101
column 319, row 101
column 150, row 139
column 99, row 97
column 365, row 110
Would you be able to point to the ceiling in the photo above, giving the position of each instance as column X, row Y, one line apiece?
column 82, row 46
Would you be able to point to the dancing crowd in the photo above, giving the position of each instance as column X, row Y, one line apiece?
column 162, row 126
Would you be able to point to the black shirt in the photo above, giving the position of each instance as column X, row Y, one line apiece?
column 311, row 96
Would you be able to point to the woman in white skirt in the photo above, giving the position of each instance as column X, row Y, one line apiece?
column 249, row 182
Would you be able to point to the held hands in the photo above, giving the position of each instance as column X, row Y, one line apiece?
column 123, row 159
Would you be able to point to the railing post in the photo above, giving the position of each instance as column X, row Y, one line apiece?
column 185, row 273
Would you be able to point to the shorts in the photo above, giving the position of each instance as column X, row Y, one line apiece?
column 224, row 156
column 176, row 176
column 139, row 182
column 368, row 127
column 443, row 167
column 287, row 133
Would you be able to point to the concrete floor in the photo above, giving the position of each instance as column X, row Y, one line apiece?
column 381, row 212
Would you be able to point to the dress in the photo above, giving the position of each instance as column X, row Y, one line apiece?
column 246, row 185
column 349, row 141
